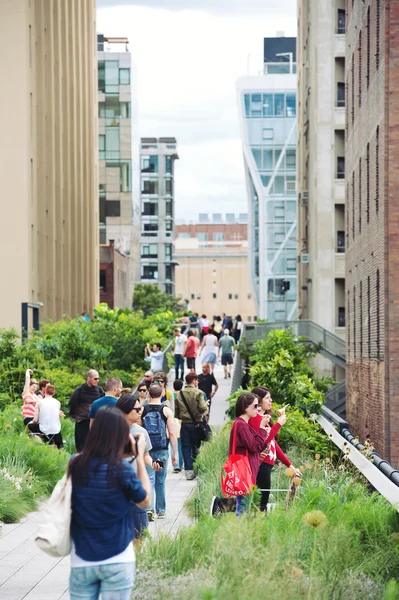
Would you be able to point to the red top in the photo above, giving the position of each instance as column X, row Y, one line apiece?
column 248, row 440
column 274, row 450
column 192, row 346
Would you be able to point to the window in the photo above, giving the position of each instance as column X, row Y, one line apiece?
column 279, row 105
column 267, row 134
column 291, row 264
column 291, row 105
column 149, row 186
column 341, row 316
column 340, row 94
column 368, row 318
column 368, row 49
column 290, row 160
column 149, row 164
column 150, row 208
column 377, row 169
column 112, row 108
column 113, row 208
column 377, row 35
column 150, row 229
column 341, row 25
column 101, row 146
column 202, row 236
column 169, row 208
column 112, row 145
column 249, row 296
column 168, row 252
column 360, row 68
column 214, row 296
column 249, row 319
column 111, row 77
column 247, row 105
column 218, row 236
column 184, row 234
column 168, row 272
column 361, row 318
column 340, row 167
column 256, row 105
column 368, row 183
column 103, row 280
column 149, row 250
column 124, row 76
column 230, row 296
column 169, row 187
column 101, row 76
column 377, row 291
column 340, row 241
column 192, row 296
column 267, row 105
column 360, row 196
column 354, row 321
column 169, row 288
column 168, row 165
column 149, row 272
column 198, row 296
column 169, row 227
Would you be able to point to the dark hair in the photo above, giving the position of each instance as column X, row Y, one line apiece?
column 127, row 403
column 190, row 377
column 43, row 383
column 105, row 443
column 178, row 385
column 211, row 331
column 238, row 318
column 243, row 402
column 155, row 391
column 190, row 333
column 50, row 389
column 261, row 391
column 158, row 344
column 203, row 317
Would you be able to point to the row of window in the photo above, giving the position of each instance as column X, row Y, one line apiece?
column 364, row 40
column 152, row 186
column 151, row 272
column 113, row 108
column 361, row 190
column 267, row 158
column 365, row 341
column 230, row 296
column 109, row 144
column 150, row 164
column 125, row 174
column 270, row 105
column 151, row 251
column 149, row 207
column 110, row 76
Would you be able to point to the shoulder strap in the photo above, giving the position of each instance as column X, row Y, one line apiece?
column 187, row 406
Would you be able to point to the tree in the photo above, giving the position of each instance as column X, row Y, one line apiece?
column 149, row 299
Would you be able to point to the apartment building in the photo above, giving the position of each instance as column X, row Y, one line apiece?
column 158, row 156
column 119, row 147
column 48, row 163
column 212, row 273
column 267, row 112
column 372, row 222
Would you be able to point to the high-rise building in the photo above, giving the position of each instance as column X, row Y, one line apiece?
column 119, row 148
column 267, row 109
column 212, row 275
column 48, row 158
column 157, row 212
column 372, row 223
column 321, row 165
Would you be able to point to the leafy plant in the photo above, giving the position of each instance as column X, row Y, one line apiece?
column 149, row 299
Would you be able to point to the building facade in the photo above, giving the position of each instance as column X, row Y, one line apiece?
column 114, row 272
column 267, row 109
column 157, row 264
column 372, row 223
column 119, row 201
column 48, row 164
column 212, row 274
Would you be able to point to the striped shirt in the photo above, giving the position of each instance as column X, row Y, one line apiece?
column 29, row 405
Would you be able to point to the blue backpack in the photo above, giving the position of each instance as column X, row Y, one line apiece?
column 154, row 422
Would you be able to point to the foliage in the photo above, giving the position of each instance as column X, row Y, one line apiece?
column 149, row 299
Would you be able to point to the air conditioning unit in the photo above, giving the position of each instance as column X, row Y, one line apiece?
column 305, row 259
column 305, row 197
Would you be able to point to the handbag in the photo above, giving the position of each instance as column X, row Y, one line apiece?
column 54, row 533
column 238, row 478
column 203, row 430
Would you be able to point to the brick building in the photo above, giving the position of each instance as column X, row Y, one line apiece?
column 372, row 222
column 114, row 277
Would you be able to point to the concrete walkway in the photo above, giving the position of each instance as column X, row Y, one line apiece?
column 28, row 573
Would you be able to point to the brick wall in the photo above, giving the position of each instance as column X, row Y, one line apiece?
column 372, row 220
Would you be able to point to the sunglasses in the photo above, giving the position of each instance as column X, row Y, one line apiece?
column 257, row 406
column 138, row 410
column 143, row 390
column 96, row 378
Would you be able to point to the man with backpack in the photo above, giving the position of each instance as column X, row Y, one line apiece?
column 159, row 421
column 190, row 406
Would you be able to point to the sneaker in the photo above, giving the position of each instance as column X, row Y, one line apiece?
column 225, row 376
column 215, row 509
column 151, row 516
column 190, row 475
column 229, row 375
column 177, row 470
column 161, row 515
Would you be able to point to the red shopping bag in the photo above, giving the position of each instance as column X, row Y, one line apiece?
column 238, row 478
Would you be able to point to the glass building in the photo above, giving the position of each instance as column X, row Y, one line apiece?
column 267, row 108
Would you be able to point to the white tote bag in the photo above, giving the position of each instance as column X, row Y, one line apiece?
column 54, row 533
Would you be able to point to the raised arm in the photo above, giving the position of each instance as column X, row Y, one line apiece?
column 28, row 373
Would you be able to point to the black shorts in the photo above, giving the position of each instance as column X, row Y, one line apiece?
column 190, row 363
column 227, row 359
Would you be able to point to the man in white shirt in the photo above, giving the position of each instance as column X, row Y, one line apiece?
column 47, row 418
column 155, row 357
column 179, row 352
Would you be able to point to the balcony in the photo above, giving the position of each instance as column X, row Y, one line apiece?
column 339, row 265
column 339, row 45
column 339, row 191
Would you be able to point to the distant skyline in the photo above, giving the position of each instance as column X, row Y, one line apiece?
column 189, row 54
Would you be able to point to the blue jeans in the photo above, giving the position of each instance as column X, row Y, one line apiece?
column 113, row 582
column 158, row 481
column 140, row 520
column 179, row 449
column 179, row 364
column 241, row 505
column 189, row 444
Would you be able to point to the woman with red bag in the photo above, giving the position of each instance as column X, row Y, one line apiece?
column 244, row 440
column 271, row 450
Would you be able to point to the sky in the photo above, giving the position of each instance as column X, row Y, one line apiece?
column 189, row 55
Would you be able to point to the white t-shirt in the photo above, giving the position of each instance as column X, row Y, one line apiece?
column 156, row 360
column 180, row 340
column 127, row 556
column 49, row 415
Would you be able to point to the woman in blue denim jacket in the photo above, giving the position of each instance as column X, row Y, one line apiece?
column 103, row 487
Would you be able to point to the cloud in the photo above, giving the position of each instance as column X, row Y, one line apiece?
column 188, row 62
column 226, row 7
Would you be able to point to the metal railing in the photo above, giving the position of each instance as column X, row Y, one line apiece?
column 335, row 399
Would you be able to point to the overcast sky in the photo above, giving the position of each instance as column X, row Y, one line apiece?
column 189, row 54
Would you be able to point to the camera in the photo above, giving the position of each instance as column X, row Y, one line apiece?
column 129, row 449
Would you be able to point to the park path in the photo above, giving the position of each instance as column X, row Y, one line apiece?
column 30, row 574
